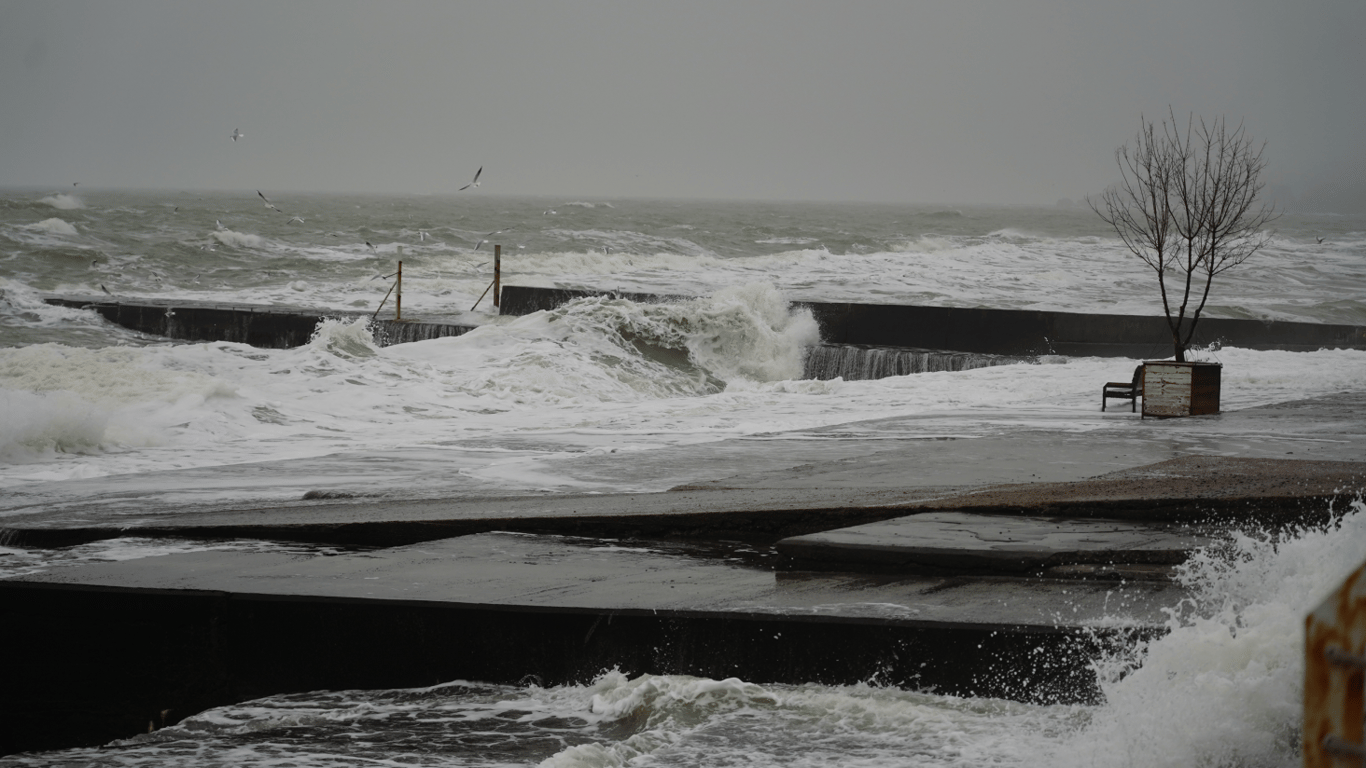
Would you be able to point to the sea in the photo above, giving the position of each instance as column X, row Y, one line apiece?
column 104, row 425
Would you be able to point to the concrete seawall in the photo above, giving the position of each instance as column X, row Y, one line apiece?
column 189, row 650
column 1007, row 331
column 271, row 327
column 880, row 329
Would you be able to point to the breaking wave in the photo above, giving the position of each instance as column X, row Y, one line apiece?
column 62, row 201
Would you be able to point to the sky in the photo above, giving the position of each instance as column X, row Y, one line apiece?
column 1009, row 102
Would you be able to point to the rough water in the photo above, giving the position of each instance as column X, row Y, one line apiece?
column 106, row 420
column 106, row 425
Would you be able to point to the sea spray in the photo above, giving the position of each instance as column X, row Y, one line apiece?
column 1224, row 686
column 55, row 226
column 37, row 425
column 60, row 399
column 63, row 202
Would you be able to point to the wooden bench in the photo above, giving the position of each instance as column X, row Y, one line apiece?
column 1124, row 390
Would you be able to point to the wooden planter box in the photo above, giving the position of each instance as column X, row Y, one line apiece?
column 1180, row 389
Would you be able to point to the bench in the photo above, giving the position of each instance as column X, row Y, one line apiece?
column 1124, row 390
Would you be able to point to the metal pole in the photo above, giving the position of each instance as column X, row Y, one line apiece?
column 398, row 294
column 497, row 272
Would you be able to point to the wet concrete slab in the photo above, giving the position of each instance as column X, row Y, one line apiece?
column 106, row 647
column 534, row 572
column 966, row 543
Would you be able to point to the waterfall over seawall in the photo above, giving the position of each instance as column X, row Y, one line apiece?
column 389, row 332
column 858, row 361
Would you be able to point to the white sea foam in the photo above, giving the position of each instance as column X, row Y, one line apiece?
column 1225, row 686
column 55, row 226
column 66, row 399
column 37, row 424
column 238, row 239
column 63, row 201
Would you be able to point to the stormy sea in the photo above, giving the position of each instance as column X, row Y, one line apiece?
column 103, row 425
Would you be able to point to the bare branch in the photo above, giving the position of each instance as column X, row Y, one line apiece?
column 1186, row 206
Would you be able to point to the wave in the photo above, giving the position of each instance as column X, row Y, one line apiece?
column 38, row 424
column 63, row 201
column 238, row 239
column 55, row 226
column 70, row 399
column 1224, row 686
column 604, row 349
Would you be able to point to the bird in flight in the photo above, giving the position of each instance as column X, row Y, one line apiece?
column 474, row 183
column 486, row 237
column 299, row 219
column 236, row 134
column 269, row 204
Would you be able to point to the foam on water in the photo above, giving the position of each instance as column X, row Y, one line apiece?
column 63, row 201
column 55, row 226
column 594, row 374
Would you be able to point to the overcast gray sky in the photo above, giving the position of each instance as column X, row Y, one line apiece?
column 955, row 101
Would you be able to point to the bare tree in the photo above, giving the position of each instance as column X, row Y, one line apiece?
column 1186, row 205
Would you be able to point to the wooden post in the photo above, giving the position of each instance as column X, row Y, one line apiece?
column 497, row 271
column 398, row 294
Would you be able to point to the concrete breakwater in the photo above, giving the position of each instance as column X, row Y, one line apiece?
column 860, row 341
column 1006, row 331
column 271, row 327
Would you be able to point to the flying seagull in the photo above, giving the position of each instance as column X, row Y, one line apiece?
column 236, row 134
column 269, row 204
column 486, row 237
column 299, row 219
column 474, row 183
column 1320, row 240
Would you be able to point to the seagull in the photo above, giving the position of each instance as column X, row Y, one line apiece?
column 219, row 224
column 269, row 204
column 1320, row 240
column 474, row 183
column 236, row 134
column 299, row 219
column 486, row 237
column 106, row 290
column 367, row 242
